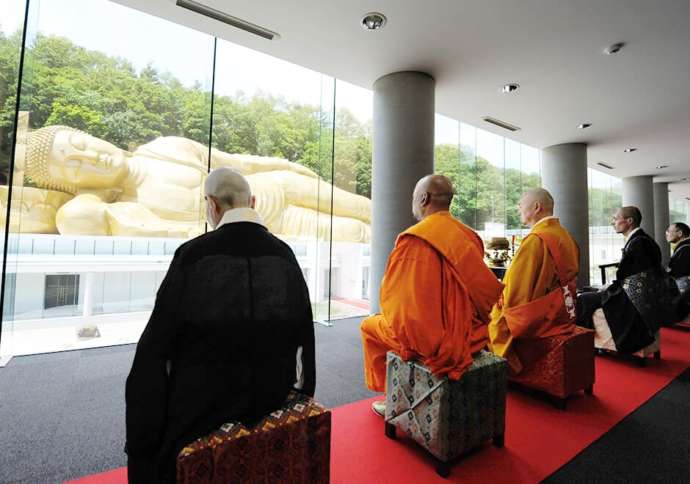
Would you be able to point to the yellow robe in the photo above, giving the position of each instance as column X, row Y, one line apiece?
column 435, row 296
column 533, row 274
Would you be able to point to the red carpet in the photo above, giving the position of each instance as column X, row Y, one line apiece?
column 539, row 438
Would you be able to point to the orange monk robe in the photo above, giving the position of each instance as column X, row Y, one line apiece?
column 526, row 308
column 436, row 296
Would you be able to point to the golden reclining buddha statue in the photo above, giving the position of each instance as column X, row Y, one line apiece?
column 83, row 185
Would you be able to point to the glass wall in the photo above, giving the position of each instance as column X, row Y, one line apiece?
column 117, row 133
column 13, row 127
column 605, row 196
column 489, row 173
column 679, row 208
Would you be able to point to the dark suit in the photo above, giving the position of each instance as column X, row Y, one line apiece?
column 220, row 346
column 630, row 332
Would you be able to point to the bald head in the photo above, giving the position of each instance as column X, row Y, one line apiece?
column 433, row 193
column 534, row 205
column 225, row 188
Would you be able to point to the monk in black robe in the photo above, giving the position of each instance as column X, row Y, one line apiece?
column 679, row 266
column 231, row 334
column 633, row 303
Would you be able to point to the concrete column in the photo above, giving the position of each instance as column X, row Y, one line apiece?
column 403, row 153
column 564, row 175
column 638, row 191
column 662, row 214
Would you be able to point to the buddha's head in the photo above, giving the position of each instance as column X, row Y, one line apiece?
column 66, row 159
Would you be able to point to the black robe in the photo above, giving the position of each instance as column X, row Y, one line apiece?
column 630, row 332
column 221, row 345
column 679, row 265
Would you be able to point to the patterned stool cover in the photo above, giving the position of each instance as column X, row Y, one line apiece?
column 603, row 339
column 559, row 365
column 292, row 444
column 446, row 417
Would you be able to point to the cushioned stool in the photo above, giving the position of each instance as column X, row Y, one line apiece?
column 603, row 340
column 447, row 418
column 559, row 365
column 292, row 444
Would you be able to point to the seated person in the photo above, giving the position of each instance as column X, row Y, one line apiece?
column 679, row 234
column 630, row 303
column 541, row 277
column 436, row 293
column 679, row 266
column 231, row 334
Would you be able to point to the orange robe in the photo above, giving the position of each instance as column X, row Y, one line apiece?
column 436, row 296
column 539, row 297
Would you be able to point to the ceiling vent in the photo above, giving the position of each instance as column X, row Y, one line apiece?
column 238, row 23
column 608, row 167
column 501, row 124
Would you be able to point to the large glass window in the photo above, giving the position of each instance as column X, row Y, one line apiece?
column 116, row 129
column 605, row 196
column 13, row 127
column 489, row 173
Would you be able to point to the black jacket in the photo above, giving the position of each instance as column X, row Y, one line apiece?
column 220, row 346
column 629, row 331
column 679, row 265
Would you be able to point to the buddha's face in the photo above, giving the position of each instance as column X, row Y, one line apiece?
column 86, row 162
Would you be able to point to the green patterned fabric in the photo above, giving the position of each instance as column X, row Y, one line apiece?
column 447, row 418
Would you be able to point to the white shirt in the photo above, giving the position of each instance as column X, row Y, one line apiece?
column 241, row 214
column 247, row 214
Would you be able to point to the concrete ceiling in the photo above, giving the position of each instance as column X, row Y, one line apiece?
column 638, row 98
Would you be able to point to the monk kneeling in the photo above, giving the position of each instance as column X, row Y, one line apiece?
column 538, row 300
column 435, row 296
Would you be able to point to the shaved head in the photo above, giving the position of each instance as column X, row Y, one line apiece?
column 225, row 189
column 433, row 193
column 534, row 205
column 632, row 213
column 539, row 195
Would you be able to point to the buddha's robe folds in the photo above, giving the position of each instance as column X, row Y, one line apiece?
column 539, row 297
column 436, row 296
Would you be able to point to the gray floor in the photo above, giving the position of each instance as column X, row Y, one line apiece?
column 62, row 414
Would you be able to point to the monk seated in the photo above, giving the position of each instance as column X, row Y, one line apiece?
column 447, row 418
column 604, row 341
column 628, row 313
column 533, row 324
column 436, row 294
column 291, row 444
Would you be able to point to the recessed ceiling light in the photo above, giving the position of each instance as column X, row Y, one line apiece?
column 629, row 150
column 614, row 48
column 512, row 87
column 608, row 167
column 584, row 125
column 661, row 167
column 373, row 21
column 685, row 179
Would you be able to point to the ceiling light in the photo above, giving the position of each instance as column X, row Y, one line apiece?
column 501, row 124
column 608, row 167
column 584, row 125
column 512, row 87
column 685, row 179
column 239, row 23
column 661, row 167
column 614, row 48
column 373, row 21
column 629, row 150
